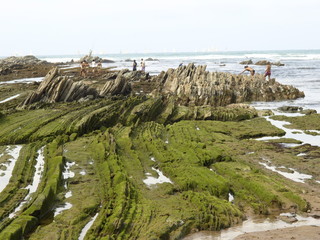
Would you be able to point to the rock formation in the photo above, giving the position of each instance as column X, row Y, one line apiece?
column 10, row 64
column 265, row 62
column 119, row 86
column 189, row 85
column 89, row 58
column 246, row 62
column 193, row 85
column 55, row 88
column 21, row 60
column 262, row 63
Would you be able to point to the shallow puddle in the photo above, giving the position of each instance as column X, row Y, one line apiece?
column 292, row 175
column 7, row 166
column 23, row 80
column 35, row 182
column 61, row 208
column 152, row 180
column 252, row 225
column 67, row 173
column 294, row 133
column 9, row 98
column 87, row 227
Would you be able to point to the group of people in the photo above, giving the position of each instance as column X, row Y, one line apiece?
column 142, row 64
column 85, row 68
column 267, row 72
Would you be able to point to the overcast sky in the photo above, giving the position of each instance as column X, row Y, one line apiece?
column 55, row 27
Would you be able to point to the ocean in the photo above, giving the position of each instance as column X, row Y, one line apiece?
column 302, row 68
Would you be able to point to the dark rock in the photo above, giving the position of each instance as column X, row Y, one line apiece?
column 11, row 61
column 246, row 62
column 288, row 219
column 263, row 62
column 309, row 111
column 290, row 109
column 152, row 59
column 278, row 64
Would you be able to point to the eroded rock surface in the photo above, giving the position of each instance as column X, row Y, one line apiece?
column 193, row 85
column 55, row 88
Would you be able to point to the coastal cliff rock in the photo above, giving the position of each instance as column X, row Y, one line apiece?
column 193, row 85
column 55, row 88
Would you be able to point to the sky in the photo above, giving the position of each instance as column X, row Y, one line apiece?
column 57, row 27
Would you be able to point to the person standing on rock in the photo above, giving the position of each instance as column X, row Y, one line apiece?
column 93, row 66
column 134, row 66
column 83, row 70
column 143, row 65
column 249, row 69
column 268, row 71
column 99, row 66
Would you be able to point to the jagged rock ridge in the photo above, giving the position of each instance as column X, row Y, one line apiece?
column 193, row 85
column 55, row 88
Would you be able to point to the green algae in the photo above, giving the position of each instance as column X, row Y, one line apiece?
column 307, row 122
column 118, row 143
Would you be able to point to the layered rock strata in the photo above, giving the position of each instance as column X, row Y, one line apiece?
column 55, row 88
column 193, row 85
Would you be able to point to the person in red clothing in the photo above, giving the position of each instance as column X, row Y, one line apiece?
column 268, row 72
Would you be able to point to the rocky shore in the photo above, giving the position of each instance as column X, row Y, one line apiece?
column 145, row 157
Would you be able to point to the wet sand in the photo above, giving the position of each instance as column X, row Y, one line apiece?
column 304, row 232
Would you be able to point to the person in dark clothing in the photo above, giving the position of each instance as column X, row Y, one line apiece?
column 134, row 67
